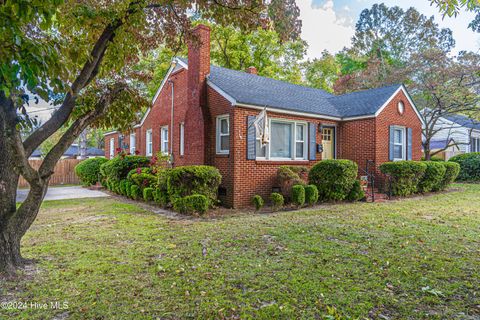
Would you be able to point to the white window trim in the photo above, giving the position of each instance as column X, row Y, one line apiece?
column 148, row 142
column 219, row 134
column 182, row 138
column 403, row 144
column 112, row 148
column 133, row 143
column 293, row 142
column 164, row 141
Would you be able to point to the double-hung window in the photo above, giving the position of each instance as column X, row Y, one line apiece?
column 148, row 142
column 112, row 148
column 288, row 141
column 475, row 144
column 223, row 135
column 399, row 146
column 164, row 140
column 182, row 139
column 132, row 143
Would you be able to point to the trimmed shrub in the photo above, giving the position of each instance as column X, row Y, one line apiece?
column 88, row 171
column 404, row 176
column 432, row 178
column 356, row 193
column 118, row 168
column 160, row 196
column 189, row 180
column 334, row 178
column 298, row 195
column 128, row 187
column 148, row 194
column 277, row 201
column 258, row 202
column 469, row 166
column 451, row 172
column 311, row 194
column 195, row 203
column 123, row 187
column 142, row 177
column 288, row 176
column 135, row 192
column 433, row 158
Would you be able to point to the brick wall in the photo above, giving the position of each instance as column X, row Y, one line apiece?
column 390, row 116
column 357, row 141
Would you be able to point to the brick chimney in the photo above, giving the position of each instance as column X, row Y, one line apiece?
column 197, row 121
column 252, row 70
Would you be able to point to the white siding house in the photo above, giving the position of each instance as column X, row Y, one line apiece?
column 464, row 131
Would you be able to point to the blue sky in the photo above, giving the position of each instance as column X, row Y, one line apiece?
column 330, row 24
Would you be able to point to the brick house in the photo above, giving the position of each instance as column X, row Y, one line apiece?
column 201, row 115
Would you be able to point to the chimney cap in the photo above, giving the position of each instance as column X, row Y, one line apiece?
column 252, row 70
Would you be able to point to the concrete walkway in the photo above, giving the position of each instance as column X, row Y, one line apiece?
column 62, row 193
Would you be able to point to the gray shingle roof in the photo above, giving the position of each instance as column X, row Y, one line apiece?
column 463, row 121
column 256, row 90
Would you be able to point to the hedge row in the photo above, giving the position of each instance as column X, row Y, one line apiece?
column 469, row 166
column 409, row 177
column 188, row 189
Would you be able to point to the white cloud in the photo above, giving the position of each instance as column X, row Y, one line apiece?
column 323, row 28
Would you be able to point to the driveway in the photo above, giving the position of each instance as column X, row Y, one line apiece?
column 62, row 193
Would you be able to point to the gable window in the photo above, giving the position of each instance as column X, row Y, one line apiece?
column 399, row 146
column 132, row 143
column 148, row 142
column 288, row 141
column 182, row 139
column 475, row 145
column 164, row 140
column 223, row 134
column 112, row 148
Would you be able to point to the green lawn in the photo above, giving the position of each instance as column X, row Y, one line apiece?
column 416, row 258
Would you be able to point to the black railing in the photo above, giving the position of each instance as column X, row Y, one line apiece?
column 377, row 181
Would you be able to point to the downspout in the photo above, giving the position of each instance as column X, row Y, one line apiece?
column 171, row 123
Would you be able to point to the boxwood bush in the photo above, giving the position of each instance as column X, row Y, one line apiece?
column 195, row 203
column 298, row 195
column 433, row 177
column 404, row 175
column 135, row 192
column 189, row 180
column 334, row 178
column 148, row 194
column 143, row 177
column 160, row 196
column 277, row 201
column 311, row 194
column 451, row 172
column 469, row 166
column 258, row 202
column 118, row 168
column 88, row 171
column 288, row 176
column 356, row 193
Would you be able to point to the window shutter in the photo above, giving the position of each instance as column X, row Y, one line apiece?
column 312, row 141
column 390, row 149
column 409, row 143
column 251, row 138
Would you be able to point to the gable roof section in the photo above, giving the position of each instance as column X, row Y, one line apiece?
column 363, row 103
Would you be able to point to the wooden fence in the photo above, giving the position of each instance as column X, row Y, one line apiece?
column 64, row 172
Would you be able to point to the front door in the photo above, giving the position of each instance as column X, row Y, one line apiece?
column 328, row 143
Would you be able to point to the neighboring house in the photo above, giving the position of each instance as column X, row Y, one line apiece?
column 456, row 134
column 212, row 108
column 73, row 152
